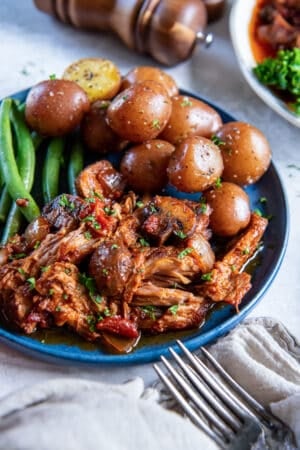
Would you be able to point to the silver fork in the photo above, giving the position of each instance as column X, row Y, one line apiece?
column 228, row 415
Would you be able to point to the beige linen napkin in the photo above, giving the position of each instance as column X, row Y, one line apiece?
column 74, row 414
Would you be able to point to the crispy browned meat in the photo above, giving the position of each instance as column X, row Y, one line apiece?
column 225, row 282
column 64, row 211
column 143, row 261
column 280, row 24
column 189, row 313
column 61, row 295
column 100, row 179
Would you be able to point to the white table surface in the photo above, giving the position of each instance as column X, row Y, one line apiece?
column 33, row 46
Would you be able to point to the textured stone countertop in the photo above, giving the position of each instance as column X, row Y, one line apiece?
column 33, row 45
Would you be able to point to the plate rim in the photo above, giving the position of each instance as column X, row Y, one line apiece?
column 28, row 345
column 246, row 61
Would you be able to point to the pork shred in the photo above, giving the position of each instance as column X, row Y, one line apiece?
column 279, row 24
column 115, row 265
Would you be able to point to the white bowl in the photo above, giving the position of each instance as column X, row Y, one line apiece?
column 239, row 21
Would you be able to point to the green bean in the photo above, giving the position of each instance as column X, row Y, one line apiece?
column 75, row 165
column 5, row 203
column 51, row 169
column 37, row 139
column 22, row 157
column 9, row 168
column 26, row 164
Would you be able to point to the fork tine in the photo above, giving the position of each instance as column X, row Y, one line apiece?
column 188, row 409
column 206, row 410
column 217, row 385
column 206, row 393
column 258, row 408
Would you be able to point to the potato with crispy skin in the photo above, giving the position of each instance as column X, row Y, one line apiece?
column 140, row 112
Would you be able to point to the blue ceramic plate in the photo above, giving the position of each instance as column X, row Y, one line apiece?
column 220, row 320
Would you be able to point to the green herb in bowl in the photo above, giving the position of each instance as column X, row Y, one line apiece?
column 283, row 74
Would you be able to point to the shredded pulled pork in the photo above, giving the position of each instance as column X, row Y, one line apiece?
column 107, row 268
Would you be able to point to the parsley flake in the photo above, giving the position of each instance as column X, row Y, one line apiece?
column 143, row 242
column 206, row 276
column 180, row 234
column 31, row 282
column 218, row 183
column 173, row 309
column 156, row 124
column 184, row 253
column 216, row 140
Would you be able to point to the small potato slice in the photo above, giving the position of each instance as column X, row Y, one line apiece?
column 99, row 78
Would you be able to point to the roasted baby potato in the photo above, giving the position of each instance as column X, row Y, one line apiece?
column 190, row 117
column 230, row 209
column 99, row 78
column 96, row 133
column 144, row 73
column 55, row 107
column 145, row 166
column 195, row 165
column 246, row 152
column 140, row 112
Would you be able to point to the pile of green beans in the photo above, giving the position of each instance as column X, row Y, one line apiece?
column 17, row 168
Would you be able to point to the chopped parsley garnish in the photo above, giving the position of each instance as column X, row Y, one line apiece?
column 51, row 291
column 217, row 141
column 90, row 285
column 218, row 183
column 152, row 208
column 87, row 235
column 143, row 242
column 173, row 309
column 21, row 271
column 44, row 268
column 91, row 321
column 58, row 308
column 139, row 204
column 107, row 312
column 90, row 199
column 37, row 244
column 263, row 200
column 17, row 256
column 31, row 282
column 67, row 271
column 184, row 253
column 258, row 212
column 246, row 251
column 186, row 102
column 109, row 211
column 52, row 76
column 233, row 268
column 156, row 124
column 203, row 207
column 114, row 246
column 96, row 225
column 180, row 234
column 206, row 276
column 282, row 73
column 149, row 310
column 65, row 202
column 65, row 296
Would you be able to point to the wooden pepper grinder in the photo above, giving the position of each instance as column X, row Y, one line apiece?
column 166, row 29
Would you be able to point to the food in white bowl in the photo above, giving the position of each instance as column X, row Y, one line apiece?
column 250, row 52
